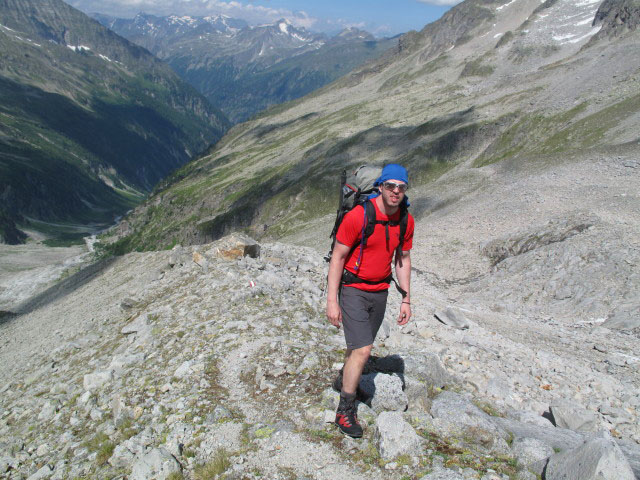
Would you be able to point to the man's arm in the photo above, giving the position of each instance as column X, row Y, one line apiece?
column 336, row 267
column 403, row 272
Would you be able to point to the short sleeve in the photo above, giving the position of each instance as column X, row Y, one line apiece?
column 408, row 236
column 351, row 227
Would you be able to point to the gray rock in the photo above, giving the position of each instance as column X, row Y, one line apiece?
column 309, row 362
column 157, row 464
column 631, row 450
column 385, row 391
column 526, row 475
column 44, row 472
column 140, row 327
column 424, row 367
column 597, row 459
column 441, row 473
column 121, row 457
column 526, row 416
column 552, row 436
column 176, row 256
column 453, row 317
column 219, row 413
column 119, row 362
column 456, row 416
column 530, row 450
column 624, row 317
column 48, row 411
column 94, row 381
column 393, row 436
column 184, row 370
column 568, row 414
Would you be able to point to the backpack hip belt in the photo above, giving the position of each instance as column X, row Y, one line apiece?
column 350, row 277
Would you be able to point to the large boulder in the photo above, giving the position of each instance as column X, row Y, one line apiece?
column 156, row 464
column 530, row 450
column 456, row 416
column 597, row 459
column 394, row 436
column 385, row 392
column 568, row 414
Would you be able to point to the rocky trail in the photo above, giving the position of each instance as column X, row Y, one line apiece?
column 214, row 361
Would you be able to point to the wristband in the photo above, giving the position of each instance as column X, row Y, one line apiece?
column 408, row 303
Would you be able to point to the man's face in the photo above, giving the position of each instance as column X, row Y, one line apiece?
column 393, row 192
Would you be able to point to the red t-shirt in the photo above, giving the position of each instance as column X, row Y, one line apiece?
column 375, row 263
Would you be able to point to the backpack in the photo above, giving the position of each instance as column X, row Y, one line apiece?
column 358, row 190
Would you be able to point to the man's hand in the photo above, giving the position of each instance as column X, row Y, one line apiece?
column 405, row 313
column 334, row 314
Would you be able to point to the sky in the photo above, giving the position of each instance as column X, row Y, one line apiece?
column 380, row 17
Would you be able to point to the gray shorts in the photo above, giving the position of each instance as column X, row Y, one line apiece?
column 362, row 315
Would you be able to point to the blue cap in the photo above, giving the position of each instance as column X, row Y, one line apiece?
column 393, row 171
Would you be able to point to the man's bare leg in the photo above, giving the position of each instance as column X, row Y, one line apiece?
column 354, row 363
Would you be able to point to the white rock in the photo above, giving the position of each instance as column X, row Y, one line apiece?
column 597, row 459
column 394, row 436
column 157, row 464
column 183, row 370
column 44, row 472
column 47, row 412
column 42, row 450
column 94, row 381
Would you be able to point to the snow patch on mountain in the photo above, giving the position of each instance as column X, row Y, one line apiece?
column 79, row 48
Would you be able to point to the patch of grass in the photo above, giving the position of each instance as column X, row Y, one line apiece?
column 101, row 444
column 175, row 476
column 476, row 68
column 458, row 455
column 127, row 429
column 487, row 408
column 264, row 432
column 219, row 464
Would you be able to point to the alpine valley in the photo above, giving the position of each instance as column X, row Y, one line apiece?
column 244, row 69
column 89, row 122
column 200, row 349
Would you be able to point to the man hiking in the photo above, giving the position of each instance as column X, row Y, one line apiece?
column 359, row 278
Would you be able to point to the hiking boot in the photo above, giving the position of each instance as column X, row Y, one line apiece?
column 361, row 395
column 347, row 418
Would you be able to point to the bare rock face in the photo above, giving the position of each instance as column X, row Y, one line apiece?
column 394, row 436
column 385, row 391
column 569, row 415
column 525, row 241
column 156, row 464
column 597, row 459
column 624, row 317
column 617, row 17
column 456, row 416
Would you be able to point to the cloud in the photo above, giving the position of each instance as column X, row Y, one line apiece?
column 254, row 14
column 440, row 3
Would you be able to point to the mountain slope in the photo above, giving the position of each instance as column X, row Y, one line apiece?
column 82, row 107
column 245, row 69
column 526, row 124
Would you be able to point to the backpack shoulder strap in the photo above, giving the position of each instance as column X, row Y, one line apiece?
column 404, row 220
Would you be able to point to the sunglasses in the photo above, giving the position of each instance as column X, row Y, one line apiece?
column 391, row 186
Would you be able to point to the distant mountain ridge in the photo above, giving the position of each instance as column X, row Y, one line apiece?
column 90, row 121
column 244, row 69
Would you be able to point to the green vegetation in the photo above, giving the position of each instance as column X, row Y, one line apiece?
column 457, row 454
column 504, row 39
column 476, row 68
column 217, row 466
column 403, row 78
column 564, row 131
column 102, row 445
column 84, row 138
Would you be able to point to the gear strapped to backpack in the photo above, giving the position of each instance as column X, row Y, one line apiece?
column 358, row 191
